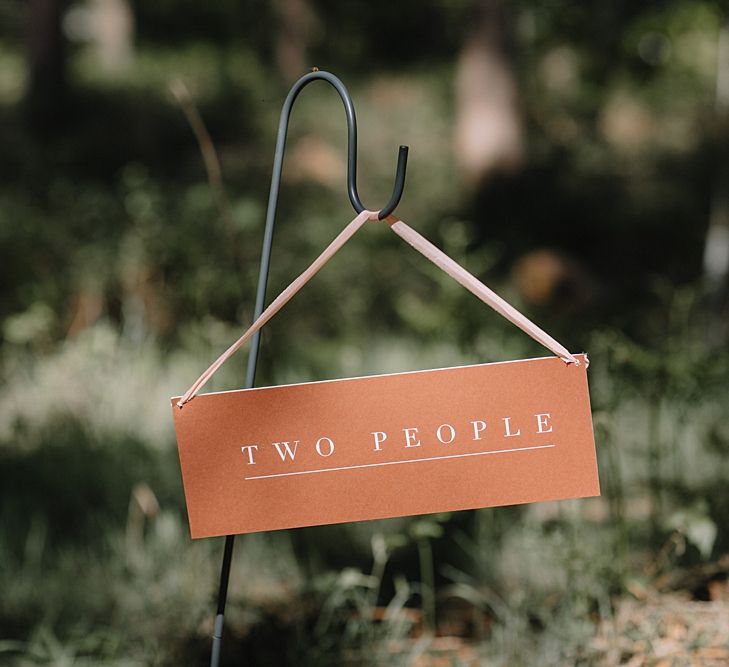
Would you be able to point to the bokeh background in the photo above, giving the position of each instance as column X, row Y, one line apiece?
column 571, row 155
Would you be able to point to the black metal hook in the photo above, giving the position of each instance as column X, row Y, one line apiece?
column 283, row 125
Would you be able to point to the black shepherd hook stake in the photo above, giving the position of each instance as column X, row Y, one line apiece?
column 283, row 126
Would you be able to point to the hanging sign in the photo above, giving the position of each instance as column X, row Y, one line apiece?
column 386, row 446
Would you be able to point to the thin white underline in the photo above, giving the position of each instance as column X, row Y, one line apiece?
column 393, row 463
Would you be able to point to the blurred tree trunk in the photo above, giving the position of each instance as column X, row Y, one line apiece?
column 113, row 33
column 488, row 132
column 297, row 21
column 716, row 249
column 46, row 95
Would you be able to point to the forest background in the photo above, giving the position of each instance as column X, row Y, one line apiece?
column 571, row 155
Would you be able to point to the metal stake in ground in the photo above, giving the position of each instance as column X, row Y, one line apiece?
column 266, row 260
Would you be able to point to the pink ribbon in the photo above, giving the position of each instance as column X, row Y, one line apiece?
column 423, row 246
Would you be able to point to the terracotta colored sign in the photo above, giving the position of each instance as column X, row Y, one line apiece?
column 386, row 446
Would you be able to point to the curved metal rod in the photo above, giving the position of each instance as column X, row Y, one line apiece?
column 283, row 126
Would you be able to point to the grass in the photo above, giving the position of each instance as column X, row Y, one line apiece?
column 98, row 567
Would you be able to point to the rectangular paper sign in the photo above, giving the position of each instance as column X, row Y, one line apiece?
column 386, row 446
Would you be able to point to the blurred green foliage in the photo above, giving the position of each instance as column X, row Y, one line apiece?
column 122, row 275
